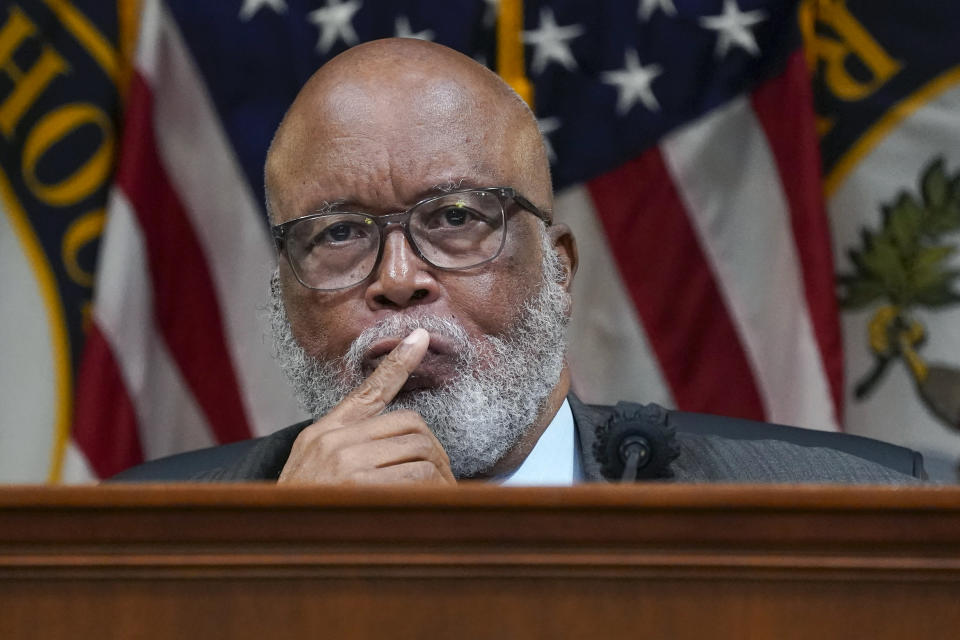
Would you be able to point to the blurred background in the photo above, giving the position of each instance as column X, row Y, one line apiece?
column 766, row 194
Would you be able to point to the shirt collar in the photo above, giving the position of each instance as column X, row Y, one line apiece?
column 555, row 459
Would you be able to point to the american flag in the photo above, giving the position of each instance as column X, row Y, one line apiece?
column 684, row 155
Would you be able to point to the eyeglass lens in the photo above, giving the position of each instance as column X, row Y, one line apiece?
column 454, row 231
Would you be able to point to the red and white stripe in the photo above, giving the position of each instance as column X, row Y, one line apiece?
column 721, row 243
column 178, row 356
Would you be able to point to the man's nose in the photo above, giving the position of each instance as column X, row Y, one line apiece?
column 402, row 279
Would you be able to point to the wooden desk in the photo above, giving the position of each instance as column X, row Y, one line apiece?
column 644, row 561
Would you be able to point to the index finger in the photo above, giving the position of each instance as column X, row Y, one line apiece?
column 374, row 393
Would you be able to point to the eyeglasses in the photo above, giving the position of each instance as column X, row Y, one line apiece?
column 458, row 230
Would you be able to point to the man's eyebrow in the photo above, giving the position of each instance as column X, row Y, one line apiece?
column 326, row 206
column 449, row 186
column 446, row 187
column 454, row 184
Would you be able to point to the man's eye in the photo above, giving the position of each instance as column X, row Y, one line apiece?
column 453, row 218
column 337, row 235
column 340, row 232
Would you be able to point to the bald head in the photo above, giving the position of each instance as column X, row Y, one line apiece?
column 385, row 121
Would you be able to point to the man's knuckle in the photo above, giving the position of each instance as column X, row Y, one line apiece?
column 308, row 435
column 410, row 439
column 392, row 363
column 405, row 416
column 368, row 393
column 416, row 443
column 325, row 441
column 424, row 470
column 426, row 446
column 415, row 422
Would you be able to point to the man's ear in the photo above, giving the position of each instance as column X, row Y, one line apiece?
column 566, row 247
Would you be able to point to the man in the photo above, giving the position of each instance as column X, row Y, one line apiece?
column 381, row 127
column 423, row 292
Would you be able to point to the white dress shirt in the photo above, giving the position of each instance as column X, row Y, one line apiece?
column 555, row 459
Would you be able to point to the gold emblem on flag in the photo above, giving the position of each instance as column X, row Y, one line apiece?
column 904, row 265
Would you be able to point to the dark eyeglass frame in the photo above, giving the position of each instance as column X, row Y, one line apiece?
column 402, row 218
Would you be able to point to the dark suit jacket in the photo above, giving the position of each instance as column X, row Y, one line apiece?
column 703, row 457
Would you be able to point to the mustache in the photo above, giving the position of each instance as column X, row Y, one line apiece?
column 399, row 326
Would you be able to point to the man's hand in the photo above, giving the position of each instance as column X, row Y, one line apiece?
column 358, row 444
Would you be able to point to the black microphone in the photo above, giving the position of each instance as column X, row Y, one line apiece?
column 636, row 443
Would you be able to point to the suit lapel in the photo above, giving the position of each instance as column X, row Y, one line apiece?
column 587, row 418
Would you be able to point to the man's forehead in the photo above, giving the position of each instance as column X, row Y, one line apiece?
column 412, row 94
column 380, row 136
column 382, row 163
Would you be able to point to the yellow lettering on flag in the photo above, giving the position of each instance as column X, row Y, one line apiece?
column 852, row 43
column 81, row 232
column 88, row 36
column 53, row 127
column 29, row 84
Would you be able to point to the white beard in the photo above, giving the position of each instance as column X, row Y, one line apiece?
column 480, row 415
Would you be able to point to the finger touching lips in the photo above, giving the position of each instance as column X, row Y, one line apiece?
column 438, row 344
column 374, row 393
